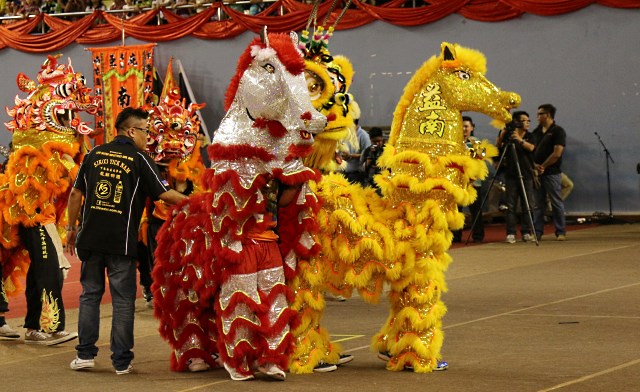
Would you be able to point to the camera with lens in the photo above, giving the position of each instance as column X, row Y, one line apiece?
column 510, row 127
column 375, row 152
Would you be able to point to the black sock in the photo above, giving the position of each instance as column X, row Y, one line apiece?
column 2, row 321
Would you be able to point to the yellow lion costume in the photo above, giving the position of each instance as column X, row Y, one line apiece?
column 402, row 237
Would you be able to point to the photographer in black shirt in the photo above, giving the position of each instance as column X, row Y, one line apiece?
column 517, row 132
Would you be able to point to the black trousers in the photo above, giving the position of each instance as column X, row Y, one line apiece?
column 4, row 304
column 146, row 278
column 45, row 308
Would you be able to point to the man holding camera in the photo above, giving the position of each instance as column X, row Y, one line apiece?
column 517, row 133
column 550, row 141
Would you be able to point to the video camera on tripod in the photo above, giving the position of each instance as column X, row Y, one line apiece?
column 510, row 127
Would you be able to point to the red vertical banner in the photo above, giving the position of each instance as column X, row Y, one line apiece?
column 123, row 77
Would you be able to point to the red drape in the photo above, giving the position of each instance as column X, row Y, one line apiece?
column 204, row 26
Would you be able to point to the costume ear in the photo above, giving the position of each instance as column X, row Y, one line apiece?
column 294, row 38
column 448, row 51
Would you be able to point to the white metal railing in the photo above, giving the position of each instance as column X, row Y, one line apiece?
column 220, row 14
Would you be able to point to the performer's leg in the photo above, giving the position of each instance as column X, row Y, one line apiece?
column 419, row 349
column 313, row 349
column 236, row 309
column 277, row 318
column 45, row 307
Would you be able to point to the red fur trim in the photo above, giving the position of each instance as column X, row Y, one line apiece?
column 296, row 178
column 306, row 116
column 298, row 151
column 280, row 355
column 233, row 153
column 275, row 128
column 287, row 52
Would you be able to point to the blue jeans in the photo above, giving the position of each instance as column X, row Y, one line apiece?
column 550, row 184
column 121, row 271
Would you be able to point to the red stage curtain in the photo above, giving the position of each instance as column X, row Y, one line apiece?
column 85, row 31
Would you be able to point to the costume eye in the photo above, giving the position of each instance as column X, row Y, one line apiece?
column 269, row 68
column 464, row 75
column 315, row 85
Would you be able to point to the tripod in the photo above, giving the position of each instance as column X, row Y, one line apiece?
column 514, row 155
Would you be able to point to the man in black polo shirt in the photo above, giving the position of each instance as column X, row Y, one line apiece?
column 550, row 140
column 114, row 179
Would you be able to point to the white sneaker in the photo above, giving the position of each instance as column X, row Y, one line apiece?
column 527, row 238
column 79, row 364
column 511, row 239
column 272, row 371
column 237, row 376
column 128, row 370
column 198, row 365
column 345, row 358
column 8, row 333
column 62, row 336
column 324, row 367
column 37, row 337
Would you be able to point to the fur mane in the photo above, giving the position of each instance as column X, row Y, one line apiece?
column 288, row 54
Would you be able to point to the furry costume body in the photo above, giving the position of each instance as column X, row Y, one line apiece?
column 203, row 304
column 43, row 161
column 402, row 237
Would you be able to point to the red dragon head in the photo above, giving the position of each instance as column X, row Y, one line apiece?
column 173, row 128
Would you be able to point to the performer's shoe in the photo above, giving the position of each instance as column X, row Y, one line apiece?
column 148, row 296
column 45, row 339
column 236, row 376
column 126, row 370
column 198, row 365
column 384, row 355
column 527, row 237
column 324, row 367
column 63, row 336
column 79, row 364
column 7, row 333
column 440, row 366
column 345, row 358
column 273, row 371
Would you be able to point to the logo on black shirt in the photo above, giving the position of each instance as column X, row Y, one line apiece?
column 103, row 189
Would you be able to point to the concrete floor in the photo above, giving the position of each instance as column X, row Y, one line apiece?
column 560, row 316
